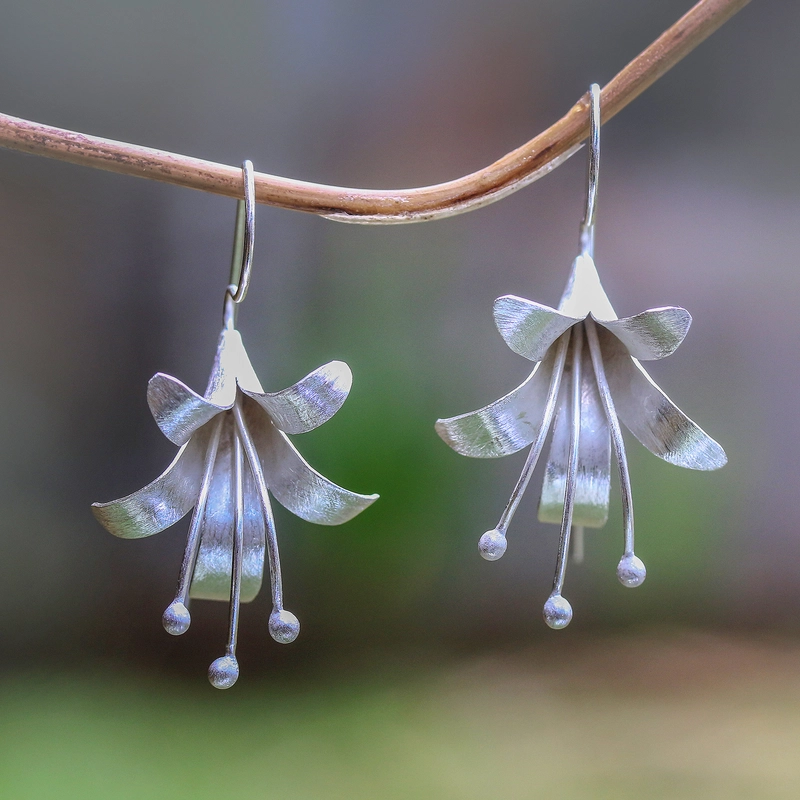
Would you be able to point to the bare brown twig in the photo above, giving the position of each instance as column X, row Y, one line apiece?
column 513, row 171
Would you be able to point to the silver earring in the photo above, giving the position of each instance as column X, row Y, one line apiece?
column 235, row 452
column 587, row 378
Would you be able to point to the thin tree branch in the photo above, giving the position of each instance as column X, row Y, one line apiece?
column 513, row 171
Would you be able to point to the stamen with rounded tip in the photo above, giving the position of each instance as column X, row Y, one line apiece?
column 224, row 671
column 490, row 546
column 557, row 611
column 176, row 618
column 630, row 570
column 283, row 625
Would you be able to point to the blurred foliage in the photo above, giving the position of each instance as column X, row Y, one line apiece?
column 693, row 717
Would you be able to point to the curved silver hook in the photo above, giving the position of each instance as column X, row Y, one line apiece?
column 587, row 227
column 243, row 246
column 229, row 309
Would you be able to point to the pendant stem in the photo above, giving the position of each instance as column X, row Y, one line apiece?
column 536, row 448
column 266, row 507
column 572, row 463
column 630, row 570
column 238, row 544
column 616, row 433
column 193, row 538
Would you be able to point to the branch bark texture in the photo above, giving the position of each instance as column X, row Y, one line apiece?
column 510, row 173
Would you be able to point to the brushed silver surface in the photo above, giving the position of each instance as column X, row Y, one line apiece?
column 296, row 485
column 557, row 612
column 262, row 494
column 310, row 402
column 630, row 570
column 161, row 503
column 192, row 548
column 232, row 528
column 529, row 328
column 593, row 474
column 504, row 426
column 560, row 354
column 224, row 671
column 212, row 572
column 653, row 334
column 179, row 411
column 574, row 405
column 652, row 417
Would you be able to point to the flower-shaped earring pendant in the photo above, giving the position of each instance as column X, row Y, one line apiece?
column 234, row 452
column 587, row 379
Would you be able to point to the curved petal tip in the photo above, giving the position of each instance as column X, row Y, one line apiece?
column 293, row 482
column 310, row 402
column 529, row 328
column 700, row 452
column 655, row 333
column 162, row 502
column 504, row 426
column 178, row 410
column 652, row 417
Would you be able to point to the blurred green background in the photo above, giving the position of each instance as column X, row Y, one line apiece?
column 421, row 671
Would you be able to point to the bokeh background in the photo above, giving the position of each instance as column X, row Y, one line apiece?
column 421, row 671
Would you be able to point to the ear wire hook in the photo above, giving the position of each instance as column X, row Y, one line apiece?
column 244, row 238
column 587, row 227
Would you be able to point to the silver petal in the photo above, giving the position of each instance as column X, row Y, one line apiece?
column 655, row 333
column 651, row 416
column 212, row 573
column 296, row 485
column 311, row 401
column 161, row 503
column 529, row 328
column 584, row 294
column 593, row 478
column 504, row 426
column 178, row 410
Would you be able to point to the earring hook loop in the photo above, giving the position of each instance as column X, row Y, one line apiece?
column 587, row 227
column 242, row 262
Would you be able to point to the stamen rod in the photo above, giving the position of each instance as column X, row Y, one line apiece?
column 193, row 539
column 238, row 544
column 536, row 448
column 266, row 507
column 616, row 433
column 572, row 463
